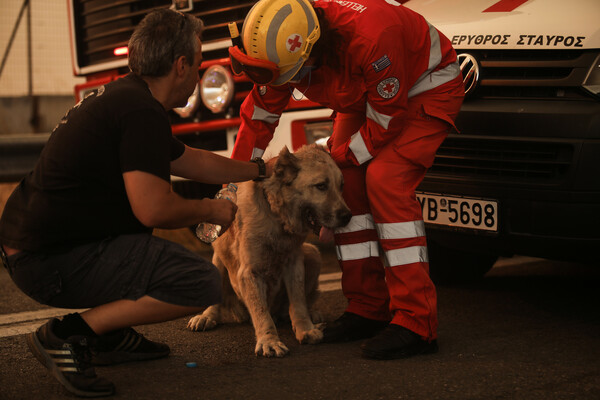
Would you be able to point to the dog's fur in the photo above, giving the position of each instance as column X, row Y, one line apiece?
column 265, row 264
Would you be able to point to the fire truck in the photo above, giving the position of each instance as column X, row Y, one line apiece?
column 521, row 177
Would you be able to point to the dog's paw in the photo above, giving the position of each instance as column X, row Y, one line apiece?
column 316, row 316
column 201, row 323
column 270, row 347
column 311, row 336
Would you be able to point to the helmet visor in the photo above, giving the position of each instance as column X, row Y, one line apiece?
column 261, row 72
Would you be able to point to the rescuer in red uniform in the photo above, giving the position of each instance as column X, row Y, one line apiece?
column 395, row 86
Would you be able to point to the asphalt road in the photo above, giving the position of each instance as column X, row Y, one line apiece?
column 529, row 330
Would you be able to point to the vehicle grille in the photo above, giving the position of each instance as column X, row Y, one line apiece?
column 540, row 74
column 101, row 26
column 500, row 160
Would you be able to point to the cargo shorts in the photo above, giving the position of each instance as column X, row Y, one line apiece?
column 123, row 267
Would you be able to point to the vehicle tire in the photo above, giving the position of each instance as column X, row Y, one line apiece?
column 451, row 265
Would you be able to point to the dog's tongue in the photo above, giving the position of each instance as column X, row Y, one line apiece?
column 326, row 235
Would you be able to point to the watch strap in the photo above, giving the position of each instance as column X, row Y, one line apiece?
column 262, row 170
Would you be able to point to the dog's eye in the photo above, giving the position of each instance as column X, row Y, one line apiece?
column 321, row 186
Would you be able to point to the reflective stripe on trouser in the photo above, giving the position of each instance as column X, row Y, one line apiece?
column 383, row 250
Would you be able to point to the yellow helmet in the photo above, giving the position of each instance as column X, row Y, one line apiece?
column 283, row 32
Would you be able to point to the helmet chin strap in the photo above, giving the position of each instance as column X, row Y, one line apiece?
column 307, row 86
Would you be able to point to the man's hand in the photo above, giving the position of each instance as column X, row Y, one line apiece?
column 222, row 213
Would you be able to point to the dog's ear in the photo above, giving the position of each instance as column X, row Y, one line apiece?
column 287, row 166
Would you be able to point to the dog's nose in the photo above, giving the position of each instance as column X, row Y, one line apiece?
column 344, row 216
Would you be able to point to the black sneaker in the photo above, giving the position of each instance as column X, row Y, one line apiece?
column 395, row 342
column 351, row 327
column 126, row 345
column 69, row 361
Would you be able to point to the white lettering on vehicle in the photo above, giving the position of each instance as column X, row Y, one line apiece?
column 520, row 40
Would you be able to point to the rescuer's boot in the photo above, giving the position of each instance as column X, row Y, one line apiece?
column 68, row 361
column 396, row 341
column 351, row 327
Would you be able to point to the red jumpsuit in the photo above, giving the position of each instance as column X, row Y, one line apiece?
column 396, row 96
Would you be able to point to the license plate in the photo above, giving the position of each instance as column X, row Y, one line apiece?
column 460, row 212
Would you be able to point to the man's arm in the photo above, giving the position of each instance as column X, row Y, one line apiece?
column 206, row 167
column 155, row 205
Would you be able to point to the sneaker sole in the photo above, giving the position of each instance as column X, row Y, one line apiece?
column 428, row 348
column 40, row 353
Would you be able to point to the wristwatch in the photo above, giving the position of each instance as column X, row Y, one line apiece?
column 262, row 170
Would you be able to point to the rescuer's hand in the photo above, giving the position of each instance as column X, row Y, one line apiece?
column 339, row 156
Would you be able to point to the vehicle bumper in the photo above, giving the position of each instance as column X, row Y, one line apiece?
column 541, row 162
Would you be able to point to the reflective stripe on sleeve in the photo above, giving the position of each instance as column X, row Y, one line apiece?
column 358, row 251
column 429, row 79
column 256, row 152
column 435, row 79
column 359, row 148
column 401, row 230
column 263, row 115
column 381, row 119
column 435, row 50
column 358, row 223
column 407, row 255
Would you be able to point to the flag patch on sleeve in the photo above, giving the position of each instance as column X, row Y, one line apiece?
column 381, row 64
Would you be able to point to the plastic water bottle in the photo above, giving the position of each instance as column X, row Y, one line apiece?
column 208, row 232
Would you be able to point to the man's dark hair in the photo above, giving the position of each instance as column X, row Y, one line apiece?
column 160, row 38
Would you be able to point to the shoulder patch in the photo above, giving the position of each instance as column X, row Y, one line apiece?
column 381, row 64
column 388, row 88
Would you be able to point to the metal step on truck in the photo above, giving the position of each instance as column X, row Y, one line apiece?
column 521, row 177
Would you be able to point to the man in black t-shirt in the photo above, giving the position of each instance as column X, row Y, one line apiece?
column 77, row 231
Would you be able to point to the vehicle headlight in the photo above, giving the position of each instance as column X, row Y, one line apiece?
column 190, row 107
column 216, row 88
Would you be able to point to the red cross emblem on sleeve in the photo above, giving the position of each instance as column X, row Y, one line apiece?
column 388, row 88
column 294, row 43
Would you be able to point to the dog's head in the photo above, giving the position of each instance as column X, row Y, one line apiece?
column 305, row 191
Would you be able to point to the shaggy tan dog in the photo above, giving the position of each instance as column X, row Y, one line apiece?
column 265, row 264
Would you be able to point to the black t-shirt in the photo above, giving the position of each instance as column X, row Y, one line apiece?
column 76, row 194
